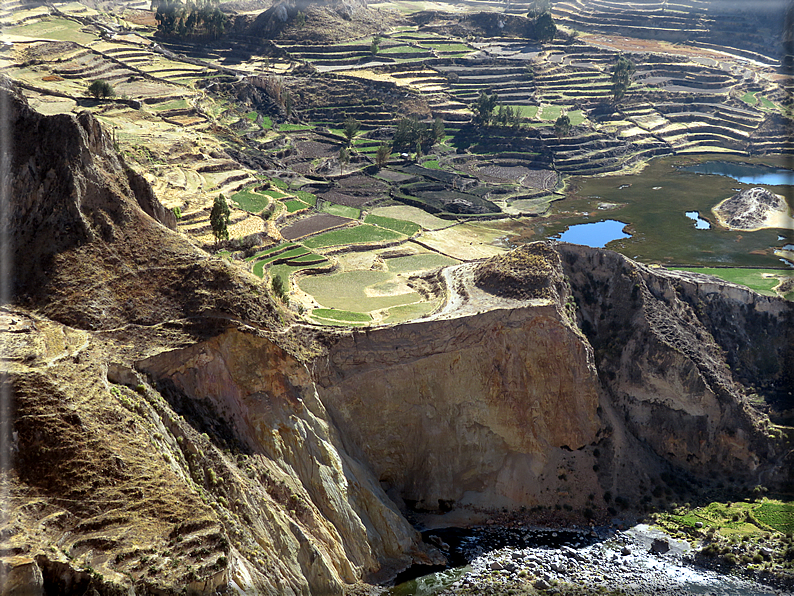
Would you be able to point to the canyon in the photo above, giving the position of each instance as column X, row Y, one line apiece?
column 239, row 448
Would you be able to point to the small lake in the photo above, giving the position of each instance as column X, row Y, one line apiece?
column 656, row 204
column 700, row 223
column 596, row 234
column 754, row 174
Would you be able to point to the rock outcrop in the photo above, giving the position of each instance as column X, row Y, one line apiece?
column 347, row 528
column 753, row 209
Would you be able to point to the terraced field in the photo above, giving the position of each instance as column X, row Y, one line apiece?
column 262, row 123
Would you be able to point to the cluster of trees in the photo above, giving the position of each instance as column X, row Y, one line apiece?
column 413, row 135
column 199, row 18
column 488, row 110
column 540, row 13
column 101, row 88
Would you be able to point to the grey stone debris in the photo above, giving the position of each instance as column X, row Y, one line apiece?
column 659, row 546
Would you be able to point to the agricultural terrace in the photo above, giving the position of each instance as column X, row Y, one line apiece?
column 354, row 169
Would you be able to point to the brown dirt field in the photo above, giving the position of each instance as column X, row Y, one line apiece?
column 632, row 44
column 313, row 225
column 344, row 199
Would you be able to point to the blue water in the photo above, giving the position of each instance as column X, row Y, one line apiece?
column 700, row 223
column 596, row 234
column 745, row 173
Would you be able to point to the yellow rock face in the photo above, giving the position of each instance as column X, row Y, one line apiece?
column 465, row 410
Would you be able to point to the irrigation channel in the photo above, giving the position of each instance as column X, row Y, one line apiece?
column 595, row 557
column 657, row 206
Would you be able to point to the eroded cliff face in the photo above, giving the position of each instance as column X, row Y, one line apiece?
column 346, row 528
column 476, row 410
column 664, row 376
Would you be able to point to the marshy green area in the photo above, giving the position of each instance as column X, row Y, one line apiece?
column 653, row 205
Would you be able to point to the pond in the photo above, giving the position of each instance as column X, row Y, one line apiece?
column 754, row 174
column 596, row 234
column 652, row 203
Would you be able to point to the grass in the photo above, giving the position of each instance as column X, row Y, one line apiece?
column 354, row 235
column 526, row 111
column 286, row 127
column 431, row 164
column 286, row 271
column 357, row 291
column 54, row 28
column 341, row 315
column 275, row 194
column 406, row 312
column 418, row 262
column 550, row 112
column 340, row 210
column 250, row 201
column 306, row 197
column 397, row 225
column 270, row 250
column 294, row 205
column 752, row 278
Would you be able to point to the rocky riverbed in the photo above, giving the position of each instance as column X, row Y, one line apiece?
column 639, row 561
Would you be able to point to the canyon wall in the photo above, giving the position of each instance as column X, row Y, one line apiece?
column 474, row 410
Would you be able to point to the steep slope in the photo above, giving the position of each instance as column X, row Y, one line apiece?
column 90, row 243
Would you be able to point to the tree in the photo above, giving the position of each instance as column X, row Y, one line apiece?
column 538, row 7
column 277, row 283
column 483, row 109
column 344, row 158
column 562, row 126
column 382, row 155
column 438, row 130
column 410, row 131
column 374, row 47
column 621, row 77
column 545, row 29
column 219, row 219
column 101, row 88
column 300, row 20
column 351, row 129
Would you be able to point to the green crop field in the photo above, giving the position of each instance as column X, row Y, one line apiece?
column 274, row 194
column 271, row 250
column 397, row 225
column 358, row 291
column 354, row 235
column 287, row 127
column 341, row 315
column 777, row 515
column 418, row 262
column 294, row 205
column 760, row 280
column 306, row 197
column 340, row 210
column 250, row 201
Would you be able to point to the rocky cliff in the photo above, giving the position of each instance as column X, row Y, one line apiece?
column 89, row 243
column 165, row 433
